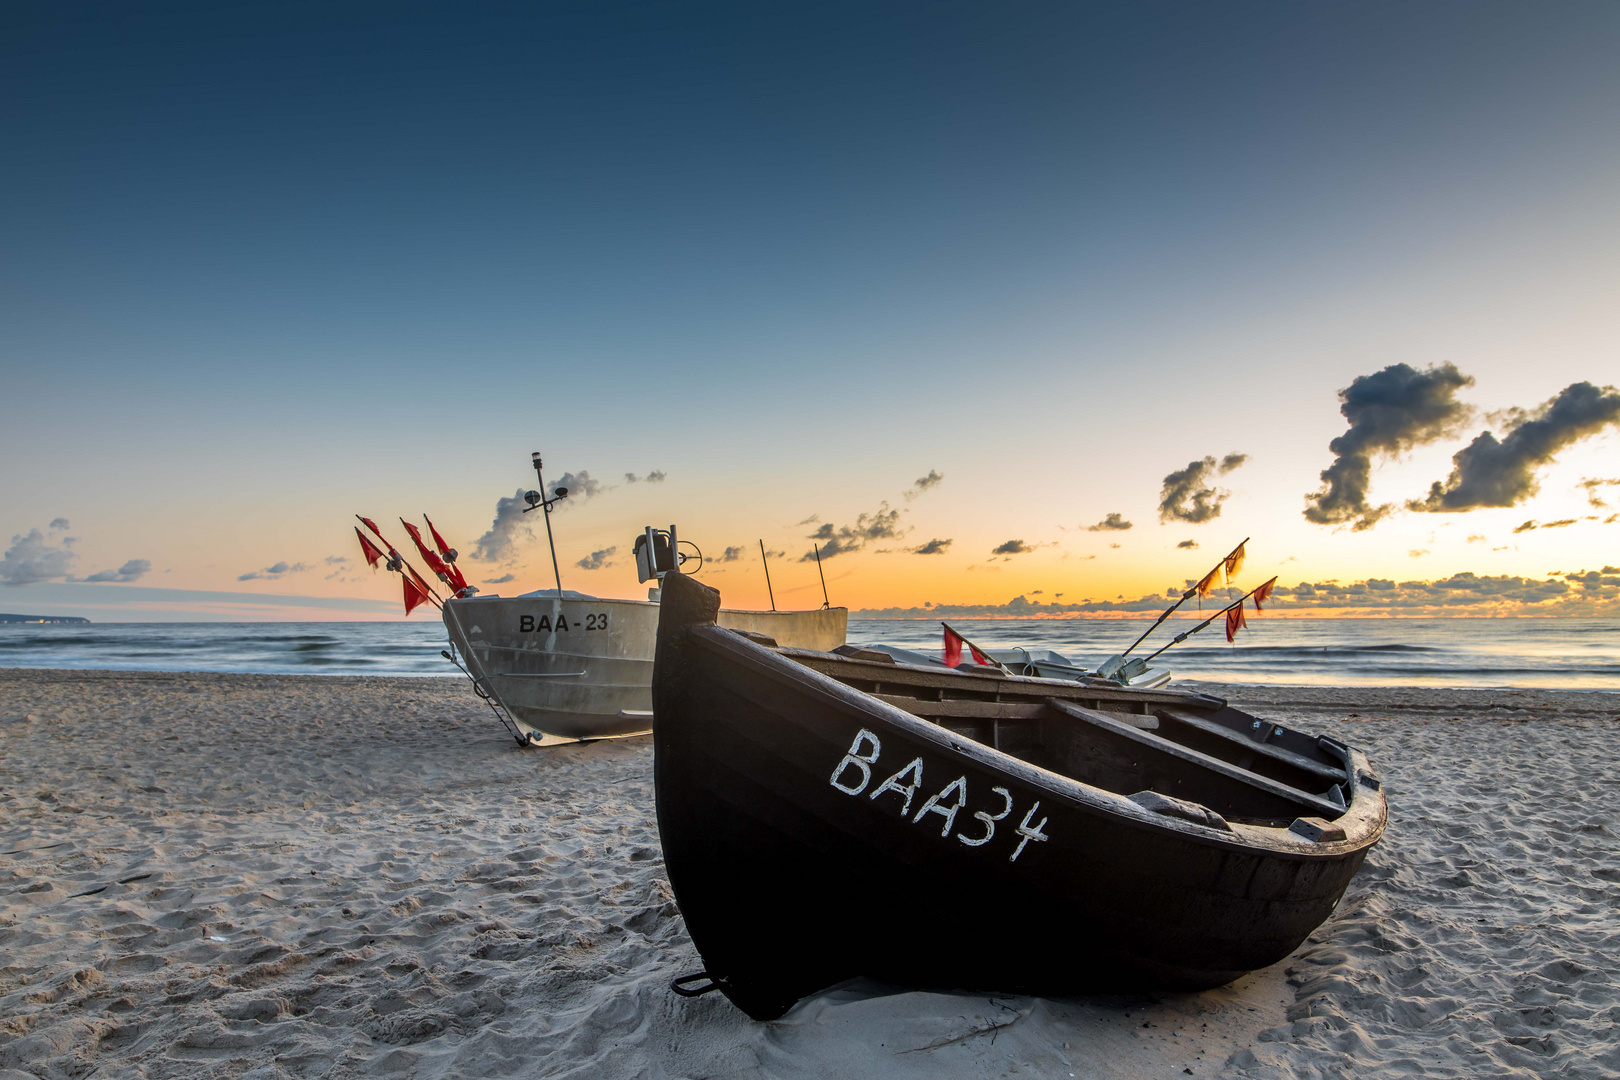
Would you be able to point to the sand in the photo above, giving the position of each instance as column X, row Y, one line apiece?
column 267, row 876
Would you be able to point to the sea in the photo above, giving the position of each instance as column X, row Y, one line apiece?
column 1548, row 653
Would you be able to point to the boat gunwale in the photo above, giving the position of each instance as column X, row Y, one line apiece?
column 1363, row 821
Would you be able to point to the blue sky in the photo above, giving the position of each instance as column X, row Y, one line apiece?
column 267, row 265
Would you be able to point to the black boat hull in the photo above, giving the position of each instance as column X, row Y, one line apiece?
column 813, row 833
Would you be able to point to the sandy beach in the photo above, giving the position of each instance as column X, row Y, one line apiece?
column 268, row 876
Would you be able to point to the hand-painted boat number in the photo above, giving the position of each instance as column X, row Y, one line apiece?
column 528, row 625
column 863, row 754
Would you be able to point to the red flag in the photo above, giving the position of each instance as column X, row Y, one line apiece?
column 446, row 567
column 445, row 549
column 1208, row 583
column 368, row 549
column 1234, row 562
column 1264, row 593
column 372, row 525
column 446, row 572
column 427, row 590
column 953, row 650
column 414, row 595
column 1234, row 621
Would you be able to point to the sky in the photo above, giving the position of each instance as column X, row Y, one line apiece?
column 946, row 286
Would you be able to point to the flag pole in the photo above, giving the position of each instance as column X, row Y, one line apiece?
column 766, row 560
column 1188, row 595
column 825, row 603
column 1179, row 638
column 433, row 597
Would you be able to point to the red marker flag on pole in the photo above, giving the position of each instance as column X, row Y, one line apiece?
column 1234, row 562
column 447, row 573
column 953, row 650
column 1234, row 621
column 414, row 594
column 368, row 549
column 1263, row 593
column 445, row 549
column 1208, row 582
column 372, row 525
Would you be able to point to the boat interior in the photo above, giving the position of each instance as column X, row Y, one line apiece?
column 1191, row 747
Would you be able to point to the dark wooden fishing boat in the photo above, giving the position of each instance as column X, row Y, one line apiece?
column 828, row 816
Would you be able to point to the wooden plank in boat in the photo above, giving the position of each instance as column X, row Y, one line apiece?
column 1275, row 753
column 1198, row 758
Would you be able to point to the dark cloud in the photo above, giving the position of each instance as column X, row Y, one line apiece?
column 732, row 554
column 654, row 477
column 923, row 484
column 34, row 557
column 1232, row 461
column 502, row 580
column 1187, row 544
column 882, row 524
column 1111, row 523
column 271, row 573
column 1390, row 412
column 1526, row 527
column 933, row 547
column 499, row 544
column 1557, row 524
column 657, row 476
column 1591, row 484
column 1011, row 547
column 132, row 570
column 596, row 560
column 1188, row 496
column 1488, row 472
column 58, row 524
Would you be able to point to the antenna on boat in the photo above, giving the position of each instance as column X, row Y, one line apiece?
column 538, row 501
column 766, row 560
column 825, row 603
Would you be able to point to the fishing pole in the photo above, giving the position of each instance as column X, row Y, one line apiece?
column 1188, row 595
column 1179, row 638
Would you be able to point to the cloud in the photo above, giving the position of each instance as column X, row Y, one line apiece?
column 1526, row 527
column 1390, row 411
column 597, row 559
column 933, row 547
column 502, row 580
column 271, row 573
column 1116, row 545
column 1187, row 544
column 732, row 554
column 1476, row 538
column 34, row 557
column 1488, row 472
column 882, row 524
column 1011, row 547
column 1187, row 494
column 1583, row 593
column 1232, row 461
column 499, row 544
column 657, row 476
column 132, row 570
column 1111, row 523
column 1418, row 553
column 1591, row 484
column 581, row 486
column 58, row 524
column 1557, row 524
column 334, row 560
column 923, row 483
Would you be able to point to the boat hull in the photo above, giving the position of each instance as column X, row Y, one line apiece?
column 799, row 857
column 581, row 668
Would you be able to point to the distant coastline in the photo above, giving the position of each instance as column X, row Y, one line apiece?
column 42, row 619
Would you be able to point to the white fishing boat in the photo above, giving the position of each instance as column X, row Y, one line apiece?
column 560, row 666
